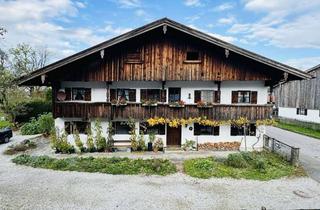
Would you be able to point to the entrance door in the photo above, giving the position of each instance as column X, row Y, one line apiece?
column 174, row 136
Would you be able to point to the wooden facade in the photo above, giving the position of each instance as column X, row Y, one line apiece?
column 160, row 57
column 136, row 111
column 299, row 93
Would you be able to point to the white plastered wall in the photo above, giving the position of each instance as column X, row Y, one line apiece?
column 291, row 113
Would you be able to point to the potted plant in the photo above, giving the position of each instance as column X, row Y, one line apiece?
column 179, row 103
column 120, row 102
column 152, row 137
column 158, row 145
column 188, row 145
column 150, row 102
column 202, row 104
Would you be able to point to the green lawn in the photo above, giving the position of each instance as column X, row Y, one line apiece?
column 298, row 129
column 4, row 124
column 103, row 165
column 250, row 165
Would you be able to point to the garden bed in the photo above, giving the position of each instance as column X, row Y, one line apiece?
column 113, row 165
column 249, row 165
column 220, row 146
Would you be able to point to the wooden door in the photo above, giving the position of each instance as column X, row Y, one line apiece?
column 173, row 136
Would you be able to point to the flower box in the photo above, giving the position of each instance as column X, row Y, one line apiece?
column 204, row 105
column 177, row 104
column 121, row 102
column 149, row 103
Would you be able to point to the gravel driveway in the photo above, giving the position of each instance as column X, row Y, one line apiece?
column 309, row 149
column 23, row 187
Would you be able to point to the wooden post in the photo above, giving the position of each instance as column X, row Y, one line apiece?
column 294, row 156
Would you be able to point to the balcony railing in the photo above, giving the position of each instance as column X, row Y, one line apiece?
column 137, row 111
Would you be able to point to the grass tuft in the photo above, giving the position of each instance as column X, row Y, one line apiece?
column 247, row 165
column 298, row 129
column 113, row 165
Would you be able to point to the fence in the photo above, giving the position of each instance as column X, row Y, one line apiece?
column 290, row 153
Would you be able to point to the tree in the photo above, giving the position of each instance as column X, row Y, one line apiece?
column 25, row 59
column 2, row 31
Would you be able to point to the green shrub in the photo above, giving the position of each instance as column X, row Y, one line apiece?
column 158, row 145
column 78, row 141
column 90, row 143
column 113, row 165
column 110, row 140
column 188, row 145
column 33, row 108
column 5, row 124
column 236, row 160
column 101, row 142
column 60, row 143
column 31, row 127
column 44, row 124
column 141, row 143
column 260, row 164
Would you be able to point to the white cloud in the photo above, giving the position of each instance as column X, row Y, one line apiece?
column 226, row 20
column 34, row 22
column 129, row 3
column 224, row 6
column 303, row 63
column 192, row 18
column 193, row 3
column 287, row 23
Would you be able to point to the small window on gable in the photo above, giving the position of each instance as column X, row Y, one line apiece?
column 133, row 56
column 193, row 56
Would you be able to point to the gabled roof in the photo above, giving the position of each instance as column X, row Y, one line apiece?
column 177, row 26
column 313, row 68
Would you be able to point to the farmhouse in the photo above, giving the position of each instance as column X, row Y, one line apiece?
column 299, row 101
column 163, row 69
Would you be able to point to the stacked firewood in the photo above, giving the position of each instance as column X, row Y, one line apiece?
column 220, row 146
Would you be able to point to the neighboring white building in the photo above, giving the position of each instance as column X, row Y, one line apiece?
column 163, row 69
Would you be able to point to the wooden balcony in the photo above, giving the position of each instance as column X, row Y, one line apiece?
column 137, row 111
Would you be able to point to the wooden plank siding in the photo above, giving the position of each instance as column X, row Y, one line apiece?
column 299, row 93
column 163, row 59
column 136, row 111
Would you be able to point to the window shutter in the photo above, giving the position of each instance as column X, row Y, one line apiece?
column 254, row 97
column 234, row 98
column 196, row 129
column 132, row 95
column 113, row 94
column 162, row 129
column 163, row 95
column 216, row 130
column 87, row 94
column 197, row 96
column 68, row 94
column 216, row 97
column 298, row 110
column 305, row 111
column 143, row 94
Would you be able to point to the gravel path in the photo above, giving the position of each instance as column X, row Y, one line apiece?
column 23, row 187
column 309, row 149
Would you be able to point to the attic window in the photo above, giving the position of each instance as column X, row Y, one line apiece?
column 133, row 56
column 193, row 57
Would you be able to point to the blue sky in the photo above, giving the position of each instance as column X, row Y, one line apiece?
column 286, row 30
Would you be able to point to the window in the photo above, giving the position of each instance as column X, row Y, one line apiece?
column 121, row 128
column 206, row 130
column 239, row 131
column 153, row 94
column 72, row 127
column 207, row 96
column 78, row 94
column 157, row 129
column 193, row 56
column 245, row 97
column 127, row 94
column 174, row 94
column 134, row 56
column 302, row 111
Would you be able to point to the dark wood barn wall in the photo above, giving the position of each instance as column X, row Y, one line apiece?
column 163, row 58
column 299, row 93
